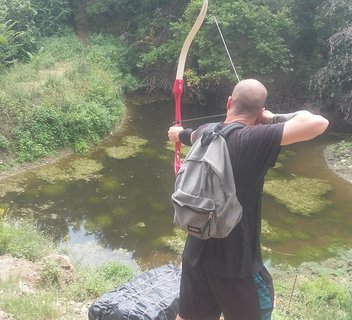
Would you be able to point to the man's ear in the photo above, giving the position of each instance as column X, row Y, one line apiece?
column 259, row 117
column 229, row 103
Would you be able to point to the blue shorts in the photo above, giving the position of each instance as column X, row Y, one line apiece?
column 204, row 296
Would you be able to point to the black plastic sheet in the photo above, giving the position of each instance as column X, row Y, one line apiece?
column 153, row 295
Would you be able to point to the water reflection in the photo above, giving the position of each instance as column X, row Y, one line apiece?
column 122, row 210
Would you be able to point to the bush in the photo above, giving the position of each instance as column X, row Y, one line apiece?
column 66, row 97
column 93, row 282
column 4, row 142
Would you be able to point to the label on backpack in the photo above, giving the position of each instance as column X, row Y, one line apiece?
column 194, row 229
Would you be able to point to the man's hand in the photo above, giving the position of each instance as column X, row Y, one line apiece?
column 265, row 117
column 174, row 132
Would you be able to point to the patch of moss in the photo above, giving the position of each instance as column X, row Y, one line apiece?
column 11, row 185
column 300, row 235
column 96, row 200
column 103, row 220
column 119, row 212
column 79, row 169
column 288, row 220
column 109, row 184
column 121, row 152
column 175, row 242
column 300, row 195
column 310, row 253
column 53, row 189
column 184, row 149
column 273, row 234
column 139, row 229
column 285, row 155
column 130, row 147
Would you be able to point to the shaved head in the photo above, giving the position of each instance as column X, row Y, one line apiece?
column 248, row 97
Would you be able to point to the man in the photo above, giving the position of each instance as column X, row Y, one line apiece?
column 227, row 275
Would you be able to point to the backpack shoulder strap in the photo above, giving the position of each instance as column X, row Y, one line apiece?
column 215, row 129
column 225, row 131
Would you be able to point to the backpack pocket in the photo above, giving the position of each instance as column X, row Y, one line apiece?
column 195, row 215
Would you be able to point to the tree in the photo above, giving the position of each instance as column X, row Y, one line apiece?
column 22, row 13
column 253, row 34
column 333, row 81
column 8, row 42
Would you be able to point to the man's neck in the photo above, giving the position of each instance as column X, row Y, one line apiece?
column 239, row 118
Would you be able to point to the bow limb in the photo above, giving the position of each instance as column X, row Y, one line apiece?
column 178, row 83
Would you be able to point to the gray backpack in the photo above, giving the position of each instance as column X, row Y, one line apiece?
column 205, row 201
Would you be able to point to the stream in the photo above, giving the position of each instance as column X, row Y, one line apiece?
column 114, row 203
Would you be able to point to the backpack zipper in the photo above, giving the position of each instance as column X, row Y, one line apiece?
column 210, row 219
column 209, row 176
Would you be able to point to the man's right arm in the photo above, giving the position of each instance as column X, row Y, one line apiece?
column 177, row 133
column 299, row 126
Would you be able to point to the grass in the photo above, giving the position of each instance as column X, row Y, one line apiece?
column 67, row 96
column 316, row 291
column 23, row 241
column 41, row 305
column 320, row 291
column 56, row 295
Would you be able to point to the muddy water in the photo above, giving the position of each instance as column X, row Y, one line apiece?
column 122, row 211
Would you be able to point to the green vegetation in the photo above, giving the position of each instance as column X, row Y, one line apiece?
column 57, row 293
column 64, row 91
column 23, row 241
column 79, row 169
column 315, row 291
column 299, row 48
column 175, row 242
column 341, row 152
column 130, row 147
column 273, row 234
column 67, row 96
column 300, row 195
column 310, row 291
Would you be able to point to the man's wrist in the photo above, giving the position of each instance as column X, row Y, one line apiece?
column 283, row 117
column 185, row 136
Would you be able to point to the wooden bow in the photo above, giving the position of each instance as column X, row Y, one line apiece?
column 178, row 83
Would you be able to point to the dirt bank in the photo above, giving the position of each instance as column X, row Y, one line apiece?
column 25, row 167
column 27, row 276
column 339, row 159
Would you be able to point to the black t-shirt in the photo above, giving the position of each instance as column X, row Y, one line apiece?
column 253, row 150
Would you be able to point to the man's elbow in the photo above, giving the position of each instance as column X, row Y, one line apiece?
column 321, row 125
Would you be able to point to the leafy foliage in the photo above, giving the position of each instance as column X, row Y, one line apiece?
column 42, row 118
column 333, row 81
column 31, row 19
column 22, row 13
column 8, row 42
column 52, row 15
column 254, row 37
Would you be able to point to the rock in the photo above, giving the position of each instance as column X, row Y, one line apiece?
column 23, row 270
column 5, row 316
column 65, row 265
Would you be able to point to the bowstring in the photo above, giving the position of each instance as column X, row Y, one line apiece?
column 226, row 48
column 233, row 67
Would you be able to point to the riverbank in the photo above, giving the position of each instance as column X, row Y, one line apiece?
column 38, row 281
column 39, row 121
column 339, row 158
column 285, row 282
column 51, row 286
